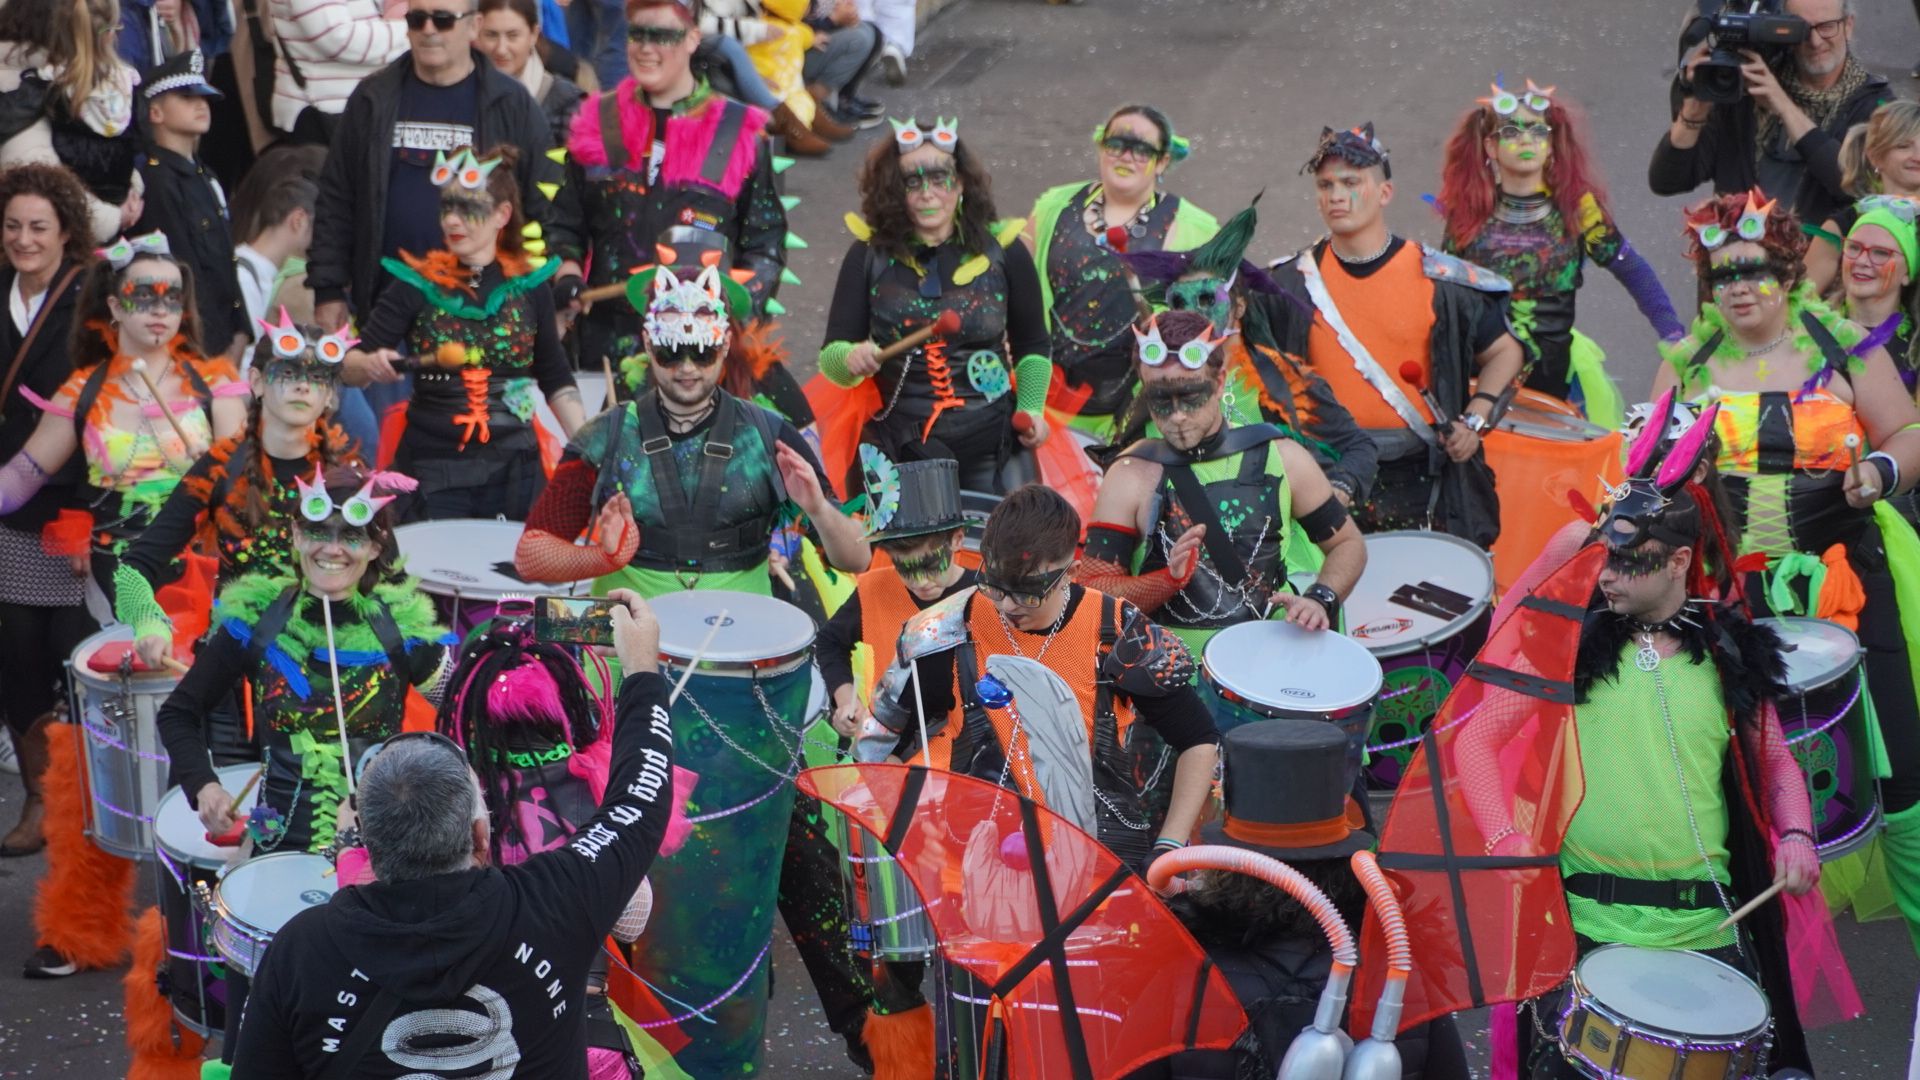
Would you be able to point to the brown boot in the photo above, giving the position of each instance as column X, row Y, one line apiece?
column 825, row 126
column 800, row 141
column 26, row 839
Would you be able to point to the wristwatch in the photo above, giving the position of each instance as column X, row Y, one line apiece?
column 1326, row 598
column 1474, row 421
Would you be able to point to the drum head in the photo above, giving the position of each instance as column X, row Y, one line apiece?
column 97, row 661
column 177, row 830
column 1674, row 990
column 266, row 891
column 759, row 631
column 1816, row 651
column 1418, row 588
column 1535, row 423
column 469, row 559
column 1282, row 666
column 976, row 507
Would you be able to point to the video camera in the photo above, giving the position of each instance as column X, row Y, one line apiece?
column 1762, row 28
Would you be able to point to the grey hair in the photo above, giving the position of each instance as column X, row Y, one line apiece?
column 417, row 804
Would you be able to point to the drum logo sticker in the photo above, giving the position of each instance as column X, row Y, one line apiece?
column 455, row 575
column 712, row 619
column 1296, row 692
column 315, row 897
column 1381, row 628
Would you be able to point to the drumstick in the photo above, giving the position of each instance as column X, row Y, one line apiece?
column 589, row 297
column 606, row 368
column 1411, row 374
column 247, row 788
column 140, row 369
column 920, row 710
column 175, row 665
column 1117, row 242
column 1747, row 908
column 339, row 705
column 1853, row 449
column 699, row 654
column 947, row 323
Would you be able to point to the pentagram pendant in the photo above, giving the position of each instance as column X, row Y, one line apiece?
column 1647, row 657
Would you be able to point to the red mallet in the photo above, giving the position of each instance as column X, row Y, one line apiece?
column 946, row 325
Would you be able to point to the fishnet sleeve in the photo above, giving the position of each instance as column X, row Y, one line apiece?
column 563, row 511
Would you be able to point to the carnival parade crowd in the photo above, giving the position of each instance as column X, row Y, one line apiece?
column 1111, row 655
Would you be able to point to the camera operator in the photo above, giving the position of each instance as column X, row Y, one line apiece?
column 1790, row 108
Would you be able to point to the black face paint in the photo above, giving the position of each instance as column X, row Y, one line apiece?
column 1751, row 271
column 282, row 371
column 1637, row 563
column 1187, row 396
column 469, row 205
column 923, row 567
column 159, row 297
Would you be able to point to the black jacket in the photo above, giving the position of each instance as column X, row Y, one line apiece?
column 1724, row 155
column 46, row 368
column 493, row 961
column 184, row 201
column 349, row 218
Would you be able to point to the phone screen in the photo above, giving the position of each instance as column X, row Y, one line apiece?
column 573, row 620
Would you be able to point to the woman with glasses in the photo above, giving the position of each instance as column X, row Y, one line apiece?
column 142, row 403
column 1522, row 197
column 927, row 244
column 345, row 612
column 474, row 321
column 706, row 164
column 1878, row 158
column 1879, row 262
column 1803, row 399
column 1083, row 287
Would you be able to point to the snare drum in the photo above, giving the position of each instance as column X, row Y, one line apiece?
column 1261, row 670
column 126, row 762
column 885, row 916
column 195, row 982
column 255, row 899
column 1649, row 1014
column 1422, row 608
column 468, row 565
column 1824, row 718
column 738, row 725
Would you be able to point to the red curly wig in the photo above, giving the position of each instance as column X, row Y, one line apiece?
column 1466, row 180
column 1785, row 243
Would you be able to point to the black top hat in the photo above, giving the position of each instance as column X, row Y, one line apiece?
column 184, row 73
column 1287, row 792
column 929, row 500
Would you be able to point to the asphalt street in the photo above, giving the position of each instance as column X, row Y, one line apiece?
column 1251, row 83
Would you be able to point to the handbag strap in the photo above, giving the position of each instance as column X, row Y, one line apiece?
column 1363, row 361
column 33, row 330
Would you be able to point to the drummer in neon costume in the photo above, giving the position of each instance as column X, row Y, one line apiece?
column 240, row 498
column 684, row 485
column 1196, row 527
column 1816, row 431
column 1029, row 678
column 1693, row 803
column 478, row 320
column 274, row 631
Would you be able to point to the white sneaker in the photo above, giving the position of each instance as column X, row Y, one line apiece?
column 9, row 761
column 894, row 63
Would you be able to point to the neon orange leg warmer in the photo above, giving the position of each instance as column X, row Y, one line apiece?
column 161, row 1049
column 901, row 1043
column 82, row 905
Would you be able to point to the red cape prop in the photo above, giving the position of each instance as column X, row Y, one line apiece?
column 1489, row 928
column 1089, row 974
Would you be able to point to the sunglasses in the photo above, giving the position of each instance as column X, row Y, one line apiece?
column 1164, row 403
column 319, row 535
column 1516, row 132
column 663, row 37
column 1636, row 563
column 1029, row 594
column 1126, row 146
column 442, row 21
column 1876, row 257
column 1728, row 275
column 922, row 567
column 923, row 178
column 152, row 297
column 670, row 358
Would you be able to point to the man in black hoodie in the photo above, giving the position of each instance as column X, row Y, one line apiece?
column 449, row 967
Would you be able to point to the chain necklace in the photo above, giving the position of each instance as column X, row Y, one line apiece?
column 1522, row 209
column 1648, row 657
column 1228, row 599
column 1361, row 259
column 1771, row 345
column 1013, row 643
column 1686, row 799
column 682, row 423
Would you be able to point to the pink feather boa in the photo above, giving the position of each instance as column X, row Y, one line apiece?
column 688, row 138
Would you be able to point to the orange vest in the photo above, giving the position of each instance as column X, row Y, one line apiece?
column 1391, row 312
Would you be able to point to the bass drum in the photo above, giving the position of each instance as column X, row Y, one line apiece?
column 1544, row 457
